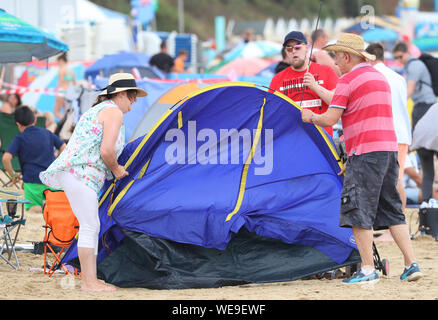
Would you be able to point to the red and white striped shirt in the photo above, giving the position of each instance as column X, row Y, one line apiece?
column 367, row 122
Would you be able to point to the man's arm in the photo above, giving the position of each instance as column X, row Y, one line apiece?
column 414, row 175
column 62, row 148
column 111, row 119
column 7, row 163
column 323, row 93
column 411, row 87
column 327, row 119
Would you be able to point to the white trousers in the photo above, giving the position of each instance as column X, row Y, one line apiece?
column 84, row 203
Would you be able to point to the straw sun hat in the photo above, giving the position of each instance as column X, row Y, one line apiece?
column 121, row 82
column 351, row 43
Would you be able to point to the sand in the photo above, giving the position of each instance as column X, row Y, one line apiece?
column 24, row 284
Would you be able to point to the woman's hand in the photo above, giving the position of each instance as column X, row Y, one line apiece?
column 120, row 172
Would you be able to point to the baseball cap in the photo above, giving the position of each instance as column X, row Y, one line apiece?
column 295, row 35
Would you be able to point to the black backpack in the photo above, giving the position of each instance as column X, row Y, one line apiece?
column 432, row 65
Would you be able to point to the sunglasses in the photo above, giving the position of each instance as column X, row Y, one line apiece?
column 293, row 48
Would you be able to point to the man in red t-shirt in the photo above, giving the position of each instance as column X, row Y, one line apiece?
column 319, row 81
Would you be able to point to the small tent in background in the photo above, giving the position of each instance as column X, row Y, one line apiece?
column 167, row 92
column 163, row 104
column 216, row 212
column 245, row 66
column 122, row 62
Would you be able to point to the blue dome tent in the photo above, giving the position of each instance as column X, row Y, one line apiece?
column 199, row 209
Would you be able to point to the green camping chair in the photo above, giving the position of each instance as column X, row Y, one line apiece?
column 8, row 131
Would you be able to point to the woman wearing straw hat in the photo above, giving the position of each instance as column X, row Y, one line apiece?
column 89, row 158
column 370, row 199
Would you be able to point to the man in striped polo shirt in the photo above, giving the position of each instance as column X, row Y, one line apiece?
column 370, row 200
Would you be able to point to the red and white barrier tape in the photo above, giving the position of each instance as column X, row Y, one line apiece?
column 21, row 90
column 26, row 90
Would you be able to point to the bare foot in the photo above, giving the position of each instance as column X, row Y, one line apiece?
column 98, row 286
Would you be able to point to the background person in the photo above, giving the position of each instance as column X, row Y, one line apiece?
column 89, row 158
column 402, row 122
column 162, row 60
column 320, row 39
column 66, row 78
column 179, row 62
column 284, row 63
column 13, row 101
column 412, row 180
column 35, row 149
column 419, row 83
column 319, row 82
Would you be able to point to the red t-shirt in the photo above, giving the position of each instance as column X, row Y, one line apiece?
column 290, row 83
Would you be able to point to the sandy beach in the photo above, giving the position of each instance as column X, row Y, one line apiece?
column 24, row 284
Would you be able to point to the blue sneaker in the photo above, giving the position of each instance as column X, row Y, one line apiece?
column 360, row 278
column 412, row 273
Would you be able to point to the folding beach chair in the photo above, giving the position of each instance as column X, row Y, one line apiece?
column 10, row 224
column 8, row 131
column 60, row 229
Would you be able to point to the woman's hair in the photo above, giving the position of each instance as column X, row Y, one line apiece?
column 63, row 57
column 130, row 93
column 17, row 96
column 24, row 115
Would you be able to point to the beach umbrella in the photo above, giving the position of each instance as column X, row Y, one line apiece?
column 20, row 41
column 244, row 66
column 380, row 34
column 254, row 49
column 269, row 71
column 123, row 61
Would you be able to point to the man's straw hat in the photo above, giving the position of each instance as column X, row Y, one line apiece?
column 351, row 43
column 121, row 82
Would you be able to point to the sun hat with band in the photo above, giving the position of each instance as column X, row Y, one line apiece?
column 351, row 43
column 122, row 82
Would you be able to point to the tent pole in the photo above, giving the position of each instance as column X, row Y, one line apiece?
column 311, row 48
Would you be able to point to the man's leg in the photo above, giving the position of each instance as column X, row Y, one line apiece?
column 427, row 165
column 364, row 243
column 400, row 233
column 402, row 153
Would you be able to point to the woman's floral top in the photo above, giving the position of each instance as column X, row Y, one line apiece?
column 81, row 156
